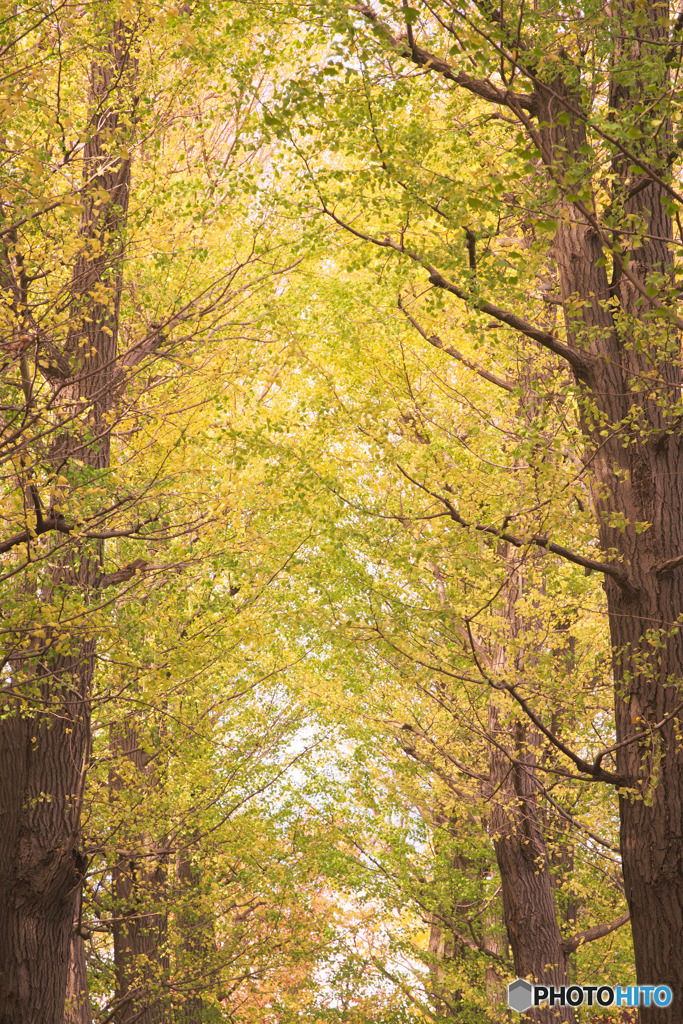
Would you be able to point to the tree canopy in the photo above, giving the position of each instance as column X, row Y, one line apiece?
column 340, row 513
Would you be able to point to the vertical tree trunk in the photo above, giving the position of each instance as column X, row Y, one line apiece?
column 41, row 869
column 632, row 362
column 529, row 908
column 77, row 1009
column 45, row 738
column 193, row 935
column 140, row 890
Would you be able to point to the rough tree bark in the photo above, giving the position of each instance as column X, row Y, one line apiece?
column 515, row 823
column 45, row 737
column 77, row 1004
column 529, row 909
column 637, row 478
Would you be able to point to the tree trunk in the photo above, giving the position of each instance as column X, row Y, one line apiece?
column 140, row 890
column 41, row 870
column 45, row 737
column 529, row 908
column 77, row 1003
column 193, row 934
column 632, row 362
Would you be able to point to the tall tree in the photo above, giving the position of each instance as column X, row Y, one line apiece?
column 429, row 624
column 585, row 112
column 84, row 454
column 45, row 740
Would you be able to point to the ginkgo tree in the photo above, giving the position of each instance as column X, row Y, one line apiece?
column 109, row 309
column 421, row 628
column 153, row 842
column 574, row 210
column 347, row 339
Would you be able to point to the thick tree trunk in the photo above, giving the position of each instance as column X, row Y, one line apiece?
column 632, row 380
column 41, row 869
column 45, row 737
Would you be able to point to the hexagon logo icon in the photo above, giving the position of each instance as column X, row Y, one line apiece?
column 520, row 995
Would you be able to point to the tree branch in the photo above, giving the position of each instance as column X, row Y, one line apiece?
column 59, row 524
column 147, row 346
column 668, row 565
column 637, row 737
column 597, row 932
column 576, row 360
column 481, row 87
column 539, row 540
column 123, row 575
column 436, row 341
column 594, row 771
column 26, row 536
